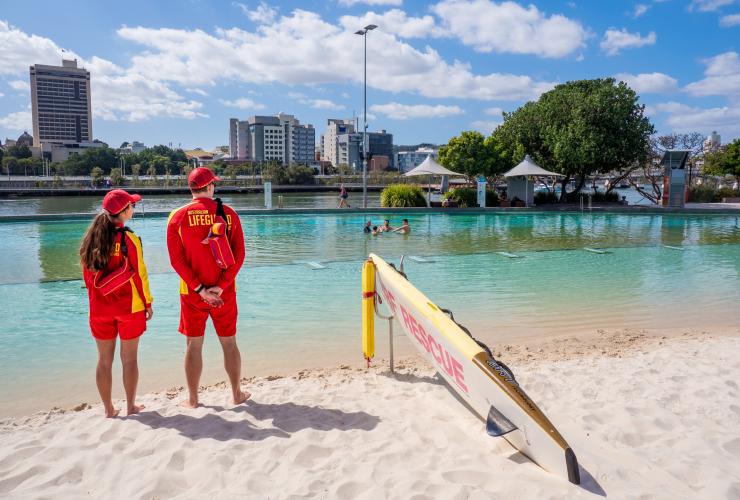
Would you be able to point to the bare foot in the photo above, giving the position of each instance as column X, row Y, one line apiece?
column 241, row 397
column 112, row 412
column 186, row 403
column 135, row 409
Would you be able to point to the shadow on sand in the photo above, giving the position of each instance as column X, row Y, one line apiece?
column 286, row 419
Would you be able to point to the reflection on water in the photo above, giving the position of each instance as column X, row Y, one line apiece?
column 44, row 251
column 164, row 203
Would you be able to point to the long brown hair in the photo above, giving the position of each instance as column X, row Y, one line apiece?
column 97, row 244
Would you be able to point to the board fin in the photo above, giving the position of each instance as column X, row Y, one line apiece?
column 498, row 425
column 574, row 475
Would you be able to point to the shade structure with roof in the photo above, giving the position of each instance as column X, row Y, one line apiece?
column 519, row 184
column 429, row 167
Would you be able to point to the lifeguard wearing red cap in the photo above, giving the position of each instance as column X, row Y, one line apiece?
column 117, row 200
column 201, row 177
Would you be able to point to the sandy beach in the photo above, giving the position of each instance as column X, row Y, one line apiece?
column 649, row 415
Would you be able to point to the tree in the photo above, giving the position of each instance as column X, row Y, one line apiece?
column 96, row 175
column 135, row 171
column 18, row 151
column 467, row 154
column 10, row 165
column 580, row 128
column 726, row 161
column 152, row 173
column 116, row 178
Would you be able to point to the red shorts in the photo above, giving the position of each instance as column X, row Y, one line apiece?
column 194, row 312
column 127, row 326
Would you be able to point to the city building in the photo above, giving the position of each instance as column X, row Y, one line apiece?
column 381, row 144
column 330, row 138
column 132, row 147
column 408, row 160
column 712, row 143
column 300, row 141
column 281, row 138
column 349, row 150
column 61, row 105
column 61, row 110
column 239, row 139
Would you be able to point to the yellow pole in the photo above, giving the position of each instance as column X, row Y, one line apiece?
column 368, row 310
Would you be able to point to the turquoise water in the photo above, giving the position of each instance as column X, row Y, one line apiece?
column 293, row 316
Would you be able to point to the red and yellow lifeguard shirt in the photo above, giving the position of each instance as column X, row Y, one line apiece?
column 187, row 227
column 130, row 298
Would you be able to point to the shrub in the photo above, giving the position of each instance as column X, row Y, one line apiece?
column 116, row 178
column 468, row 197
column 402, row 195
column 706, row 194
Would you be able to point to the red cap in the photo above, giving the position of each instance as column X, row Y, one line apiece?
column 201, row 177
column 117, row 200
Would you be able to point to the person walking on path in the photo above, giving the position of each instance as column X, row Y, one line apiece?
column 343, row 196
column 207, row 287
column 117, row 284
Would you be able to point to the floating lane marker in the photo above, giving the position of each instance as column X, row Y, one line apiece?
column 311, row 264
column 421, row 260
column 680, row 249
column 510, row 255
column 594, row 250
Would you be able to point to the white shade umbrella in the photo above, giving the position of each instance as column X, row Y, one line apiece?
column 528, row 168
column 429, row 167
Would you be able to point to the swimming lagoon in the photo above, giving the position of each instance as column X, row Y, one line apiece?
column 505, row 275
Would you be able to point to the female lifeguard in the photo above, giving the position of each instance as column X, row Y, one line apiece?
column 118, row 288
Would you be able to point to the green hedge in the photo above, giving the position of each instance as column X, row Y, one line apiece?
column 468, row 197
column 706, row 194
column 402, row 195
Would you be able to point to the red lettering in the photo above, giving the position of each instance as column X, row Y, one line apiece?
column 447, row 362
column 432, row 344
column 459, row 374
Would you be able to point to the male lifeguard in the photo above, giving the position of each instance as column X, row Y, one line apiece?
column 206, row 290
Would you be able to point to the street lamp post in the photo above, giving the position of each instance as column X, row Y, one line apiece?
column 363, row 32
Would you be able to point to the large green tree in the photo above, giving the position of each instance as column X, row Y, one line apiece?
column 580, row 128
column 726, row 161
column 472, row 154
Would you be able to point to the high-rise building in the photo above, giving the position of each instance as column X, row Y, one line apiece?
column 408, row 160
column 329, row 139
column 300, row 141
column 61, row 105
column 349, row 149
column 239, row 139
column 712, row 143
column 282, row 139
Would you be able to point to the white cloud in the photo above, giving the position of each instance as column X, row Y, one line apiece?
column 20, row 50
column 649, row 83
column 399, row 111
column 397, row 22
column 640, row 9
column 485, row 126
column 615, row 40
column 2, row 95
column 722, row 77
column 17, row 121
column 198, row 91
column 117, row 93
column 683, row 118
column 303, row 49
column 349, row 3
column 494, row 111
column 242, row 103
column 325, row 104
column 263, row 14
column 315, row 103
column 21, row 85
column 507, row 27
column 709, row 5
column 731, row 20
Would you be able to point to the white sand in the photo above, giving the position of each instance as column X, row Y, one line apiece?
column 648, row 417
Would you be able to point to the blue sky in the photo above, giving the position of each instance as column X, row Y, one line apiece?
column 175, row 71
